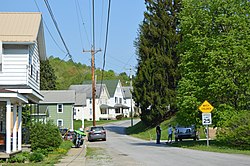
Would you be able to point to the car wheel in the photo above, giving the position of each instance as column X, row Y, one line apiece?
column 176, row 139
column 104, row 139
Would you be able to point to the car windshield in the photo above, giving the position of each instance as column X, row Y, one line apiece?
column 184, row 130
column 97, row 128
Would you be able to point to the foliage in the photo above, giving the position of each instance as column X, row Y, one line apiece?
column 47, row 76
column 36, row 157
column 156, row 79
column 19, row 158
column 236, row 131
column 215, row 59
column 45, row 136
column 69, row 73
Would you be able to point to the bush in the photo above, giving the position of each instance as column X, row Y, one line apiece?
column 45, row 136
column 36, row 157
column 235, row 131
column 119, row 117
column 19, row 158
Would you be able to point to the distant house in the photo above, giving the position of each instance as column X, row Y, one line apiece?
column 116, row 101
column 85, row 110
column 128, row 101
column 58, row 106
column 22, row 47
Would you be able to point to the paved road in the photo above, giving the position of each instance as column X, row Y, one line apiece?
column 123, row 150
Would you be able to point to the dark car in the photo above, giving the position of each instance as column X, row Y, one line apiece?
column 97, row 133
column 186, row 133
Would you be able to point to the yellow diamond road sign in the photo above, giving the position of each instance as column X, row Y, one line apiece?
column 206, row 107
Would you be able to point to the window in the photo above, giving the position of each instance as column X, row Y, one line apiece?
column 59, row 122
column 36, row 76
column 30, row 63
column 1, row 65
column 116, row 99
column 117, row 110
column 59, row 108
column 90, row 101
column 120, row 100
column 125, row 102
column 103, row 111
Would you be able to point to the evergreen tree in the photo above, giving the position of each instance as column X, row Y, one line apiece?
column 156, row 79
column 47, row 76
column 215, row 59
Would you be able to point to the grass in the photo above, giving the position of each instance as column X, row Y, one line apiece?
column 53, row 157
column 214, row 146
column 142, row 131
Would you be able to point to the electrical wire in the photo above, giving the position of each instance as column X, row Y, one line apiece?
column 48, row 29
column 81, row 16
column 57, row 28
column 106, row 43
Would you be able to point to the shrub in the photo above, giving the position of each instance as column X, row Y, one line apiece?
column 36, row 157
column 235, row 131
column 19, row 158
column 45, row 136
column 119, row 117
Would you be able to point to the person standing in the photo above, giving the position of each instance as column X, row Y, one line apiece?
column 158, row 134
column 170, row 133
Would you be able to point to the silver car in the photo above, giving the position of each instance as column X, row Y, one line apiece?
column 97, row 133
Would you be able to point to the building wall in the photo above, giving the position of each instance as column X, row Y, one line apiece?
column 66, row 115
column 14, row 65
column 20, row 65
column 34, row 67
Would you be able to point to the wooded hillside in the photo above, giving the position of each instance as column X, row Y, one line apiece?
column 69, row 72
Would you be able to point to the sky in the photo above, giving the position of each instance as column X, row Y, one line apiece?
column 74, row 19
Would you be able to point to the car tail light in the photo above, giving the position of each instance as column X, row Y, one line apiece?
column 103, row 132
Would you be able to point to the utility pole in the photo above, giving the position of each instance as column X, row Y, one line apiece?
column 93, row 52
column 131, row 89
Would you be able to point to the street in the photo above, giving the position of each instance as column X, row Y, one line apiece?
column 123, row 150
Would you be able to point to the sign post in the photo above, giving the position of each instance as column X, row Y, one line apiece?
column 206, row 108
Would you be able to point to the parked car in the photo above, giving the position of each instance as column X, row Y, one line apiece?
column 97, row 133
column 186, row 133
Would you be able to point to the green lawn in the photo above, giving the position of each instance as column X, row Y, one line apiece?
column 148, row 133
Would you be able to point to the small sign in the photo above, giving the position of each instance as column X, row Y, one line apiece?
column 206, row 107
column 206, row 119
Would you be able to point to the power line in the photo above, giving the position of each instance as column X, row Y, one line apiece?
column 57, row 28
column 106, row 43
column 80, row 13
column 48, row 29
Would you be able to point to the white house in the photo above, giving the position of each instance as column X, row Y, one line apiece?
column 22, row 47
column 128, row 101
column 84, row 109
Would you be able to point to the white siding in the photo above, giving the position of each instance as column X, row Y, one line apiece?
column 14, row 65
column 34, row 68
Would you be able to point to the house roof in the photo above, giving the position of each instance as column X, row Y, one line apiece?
column 22, row 27
column 127, row 92
column 58, row 96
column 87, row 89
column 110, row 84
column 19, row 27
column 80, row 99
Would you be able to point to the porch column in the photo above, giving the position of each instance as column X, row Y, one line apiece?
column 14, row 128
column 8, row 133
column 19, row 145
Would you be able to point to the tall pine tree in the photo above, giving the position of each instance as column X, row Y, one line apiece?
column 47, row 76
column 156, row 79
